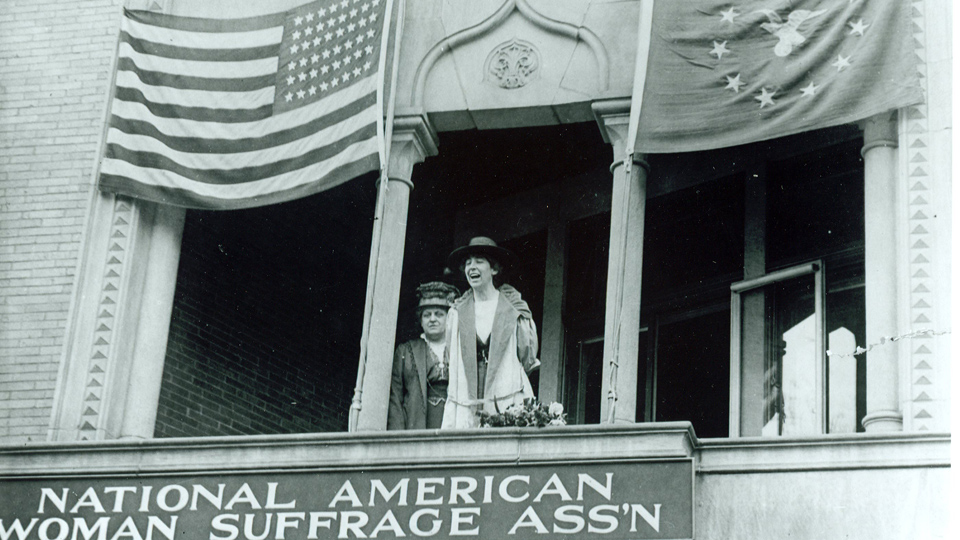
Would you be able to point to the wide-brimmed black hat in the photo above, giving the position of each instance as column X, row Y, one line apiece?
column 484, row 247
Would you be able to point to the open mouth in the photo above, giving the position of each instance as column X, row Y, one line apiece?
column 473, row 275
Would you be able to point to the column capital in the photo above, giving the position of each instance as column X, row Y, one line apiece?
column 613, row 118
column 880, row 130
column 414, row 139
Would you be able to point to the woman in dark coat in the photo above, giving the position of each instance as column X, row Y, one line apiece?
column 418, row 390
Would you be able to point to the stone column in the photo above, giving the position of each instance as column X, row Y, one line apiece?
column 881, row 256
column 116, row 340
column 413, row 140
column 622, row 315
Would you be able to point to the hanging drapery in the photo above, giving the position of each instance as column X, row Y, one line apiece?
column 723, row 74
column 238, row 113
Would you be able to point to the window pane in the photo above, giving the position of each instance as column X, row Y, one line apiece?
column 797, row 358
column 779, row 333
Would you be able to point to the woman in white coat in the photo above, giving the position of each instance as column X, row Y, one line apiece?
column 492, row 339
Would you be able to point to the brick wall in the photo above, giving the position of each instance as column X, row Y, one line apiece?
column 250, row 348
column 55, row 60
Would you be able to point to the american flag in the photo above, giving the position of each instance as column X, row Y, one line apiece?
column 237, row 113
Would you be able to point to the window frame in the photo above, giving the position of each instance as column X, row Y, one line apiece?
column 816, row 268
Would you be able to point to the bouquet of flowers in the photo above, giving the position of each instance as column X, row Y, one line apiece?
column 531, row 413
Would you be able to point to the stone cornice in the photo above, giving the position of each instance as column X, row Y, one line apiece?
column 499, row 447
column 409, row 449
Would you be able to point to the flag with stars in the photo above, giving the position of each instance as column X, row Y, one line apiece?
column 724, row 73
column 236, row 113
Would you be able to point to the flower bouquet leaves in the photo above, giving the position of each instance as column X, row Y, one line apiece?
column 531, row 413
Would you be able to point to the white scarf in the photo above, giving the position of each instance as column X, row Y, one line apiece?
column 510, row 385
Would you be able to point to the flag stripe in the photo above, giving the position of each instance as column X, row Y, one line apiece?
column 206, row 155
column 196, row 98
column 314, row 112
column 171, row 179
column 200, row 55
column 157, row 78
column 238, row 175
column 191, row 68
column 189, row 25
column 203, row 114
column 189, row 198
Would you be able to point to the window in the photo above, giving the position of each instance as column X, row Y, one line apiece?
column 753, row 269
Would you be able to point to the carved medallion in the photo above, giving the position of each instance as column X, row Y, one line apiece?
column 512, row 64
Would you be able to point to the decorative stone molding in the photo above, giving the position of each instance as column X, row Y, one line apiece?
column 512, row 65
column 119, row 320
column 483, row 28
column 915, row 151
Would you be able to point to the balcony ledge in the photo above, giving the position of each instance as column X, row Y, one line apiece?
column 475, row 448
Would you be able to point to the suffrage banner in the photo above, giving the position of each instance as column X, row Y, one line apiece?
column 615, row 501
column 724, row 73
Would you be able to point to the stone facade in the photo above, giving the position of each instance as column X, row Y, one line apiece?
column 87, row 280
column 55, row 68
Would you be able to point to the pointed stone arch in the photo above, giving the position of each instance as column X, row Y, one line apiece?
column 467, row 35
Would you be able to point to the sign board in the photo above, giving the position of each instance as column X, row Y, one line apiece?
column 611, row 501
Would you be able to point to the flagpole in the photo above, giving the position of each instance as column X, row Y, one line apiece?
column 644, row 33
column 385, row 136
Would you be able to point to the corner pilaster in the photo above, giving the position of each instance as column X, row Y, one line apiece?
column 112, row 363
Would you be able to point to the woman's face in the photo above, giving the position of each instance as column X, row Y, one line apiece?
column 478, row 271
column 433, row 320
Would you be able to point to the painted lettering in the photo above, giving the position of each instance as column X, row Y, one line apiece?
column 463, row 516
column 652, row 519
column 222, row 523
column 571, row 514
column 428, row 486
column 596, row 516
column 529, row 518
column 284, row 523
column 505, row 486
column 400, row 489
column 414, row 524
column 605, row 490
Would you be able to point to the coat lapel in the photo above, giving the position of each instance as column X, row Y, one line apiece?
column 468, row 343
column 503, row 324
column 420, row 354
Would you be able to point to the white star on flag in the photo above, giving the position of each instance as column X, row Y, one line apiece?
column 810, row 90
column 734, row 83
column 841, row 62
column 765, row 98
column 719, row 49
column 728, row 15
column 857, row 27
